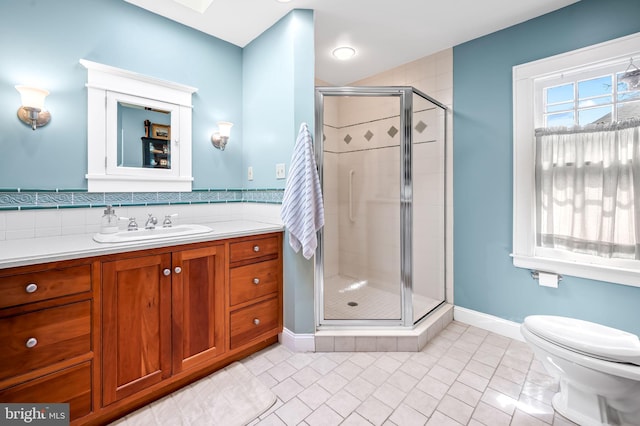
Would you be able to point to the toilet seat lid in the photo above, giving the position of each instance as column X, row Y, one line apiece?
column 587, row 337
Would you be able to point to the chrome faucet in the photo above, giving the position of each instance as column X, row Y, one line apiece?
column 151, row 222
column 167, row 220
column 133, row 225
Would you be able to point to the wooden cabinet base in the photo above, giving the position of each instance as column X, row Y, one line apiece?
column 110, row 334
column 71, row 385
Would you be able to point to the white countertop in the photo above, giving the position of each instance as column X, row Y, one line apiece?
column 32, row 251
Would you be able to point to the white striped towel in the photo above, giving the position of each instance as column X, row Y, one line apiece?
column 302, row 207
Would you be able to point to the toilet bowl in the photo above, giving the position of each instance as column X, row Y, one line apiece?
column 598, row 368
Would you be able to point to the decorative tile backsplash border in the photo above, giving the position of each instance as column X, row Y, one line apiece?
column 29, row 199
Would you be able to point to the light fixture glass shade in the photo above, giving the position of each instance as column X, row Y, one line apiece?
column 32, row 97
column 631, row 78
column 224, row 128
column 344, row 52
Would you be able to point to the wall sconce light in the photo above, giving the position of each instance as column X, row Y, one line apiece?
column 220, row 138
column 32, row 110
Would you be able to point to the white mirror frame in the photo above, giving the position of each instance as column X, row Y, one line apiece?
column 105, row 86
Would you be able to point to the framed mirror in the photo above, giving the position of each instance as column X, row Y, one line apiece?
column 139, row 132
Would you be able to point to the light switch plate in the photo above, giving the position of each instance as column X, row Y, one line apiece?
column 250, row 173
column 280, row 171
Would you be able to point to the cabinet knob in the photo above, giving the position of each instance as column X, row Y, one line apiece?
column 177, row 270
column 256, row 321
column 256, row 281
column 166, row 272
column 31, row 288
column 31, row 342
column 256, row 248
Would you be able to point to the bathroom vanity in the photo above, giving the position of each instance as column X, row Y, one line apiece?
column 119, row 326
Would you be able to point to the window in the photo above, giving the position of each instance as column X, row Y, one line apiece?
column 571, row 101
column 577, row 163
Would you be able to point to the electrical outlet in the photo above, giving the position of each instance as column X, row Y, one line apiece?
column 250, row 173
column 280, row 171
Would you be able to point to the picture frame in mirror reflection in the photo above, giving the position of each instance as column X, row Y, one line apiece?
column 161, row 131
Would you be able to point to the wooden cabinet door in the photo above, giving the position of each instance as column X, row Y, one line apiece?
column 198, row 306
column 136, row 327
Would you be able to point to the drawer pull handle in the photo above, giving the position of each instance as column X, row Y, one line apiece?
column 167, row 272
column 32, row 342
column 177, row 269
column 256, row 281
column 31, row 288
column 256, row 248
column 256, row 321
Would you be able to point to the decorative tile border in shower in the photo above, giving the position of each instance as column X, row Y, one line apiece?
column 29, row 199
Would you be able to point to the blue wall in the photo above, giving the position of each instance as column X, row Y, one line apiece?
column 278, row 81
column 485, row 279
column 278, row 95
column 265, row 89
column 43, row 40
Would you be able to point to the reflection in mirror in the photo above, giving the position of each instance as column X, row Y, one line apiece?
column 144, row 136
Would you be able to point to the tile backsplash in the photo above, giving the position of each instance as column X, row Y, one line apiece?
column 26, row 199
column 37, row 214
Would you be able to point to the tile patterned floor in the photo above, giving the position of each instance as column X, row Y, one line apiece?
column 464, row 376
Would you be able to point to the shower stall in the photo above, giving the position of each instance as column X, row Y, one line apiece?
column 381, row 158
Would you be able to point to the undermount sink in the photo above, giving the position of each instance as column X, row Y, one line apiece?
column 152, row 234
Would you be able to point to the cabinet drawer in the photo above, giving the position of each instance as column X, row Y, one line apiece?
column 26, row 288
column 71, row 385
column 254, row 280
column 254, row 248
column 41, row 338
column 250, row 322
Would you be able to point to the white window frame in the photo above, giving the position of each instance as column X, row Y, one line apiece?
column 525, row 253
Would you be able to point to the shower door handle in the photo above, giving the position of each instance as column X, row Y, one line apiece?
column 351, row 173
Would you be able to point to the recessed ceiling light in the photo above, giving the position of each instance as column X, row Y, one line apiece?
column 283, row 1
column 344, row 52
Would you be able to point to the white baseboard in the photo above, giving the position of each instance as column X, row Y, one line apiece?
column 488, row 322
column 297, row 342
column 306, row 342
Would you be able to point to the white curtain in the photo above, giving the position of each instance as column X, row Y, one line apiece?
column 588, row 189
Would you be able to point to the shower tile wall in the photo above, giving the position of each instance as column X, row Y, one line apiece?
column 432, row 75
column 330, row 174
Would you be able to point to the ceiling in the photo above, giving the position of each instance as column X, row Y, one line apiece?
column 385, row 33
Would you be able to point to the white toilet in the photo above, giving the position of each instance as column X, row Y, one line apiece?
column 598, row 368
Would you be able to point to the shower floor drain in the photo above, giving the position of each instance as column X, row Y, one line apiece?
column 352, row 303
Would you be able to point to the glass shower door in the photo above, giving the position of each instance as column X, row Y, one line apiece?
column 428, row 203
column 361, row 173
column 382, row 159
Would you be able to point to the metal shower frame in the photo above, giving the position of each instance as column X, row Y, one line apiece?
column 405, row 93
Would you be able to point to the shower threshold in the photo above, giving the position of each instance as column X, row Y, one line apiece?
column 340, row 338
